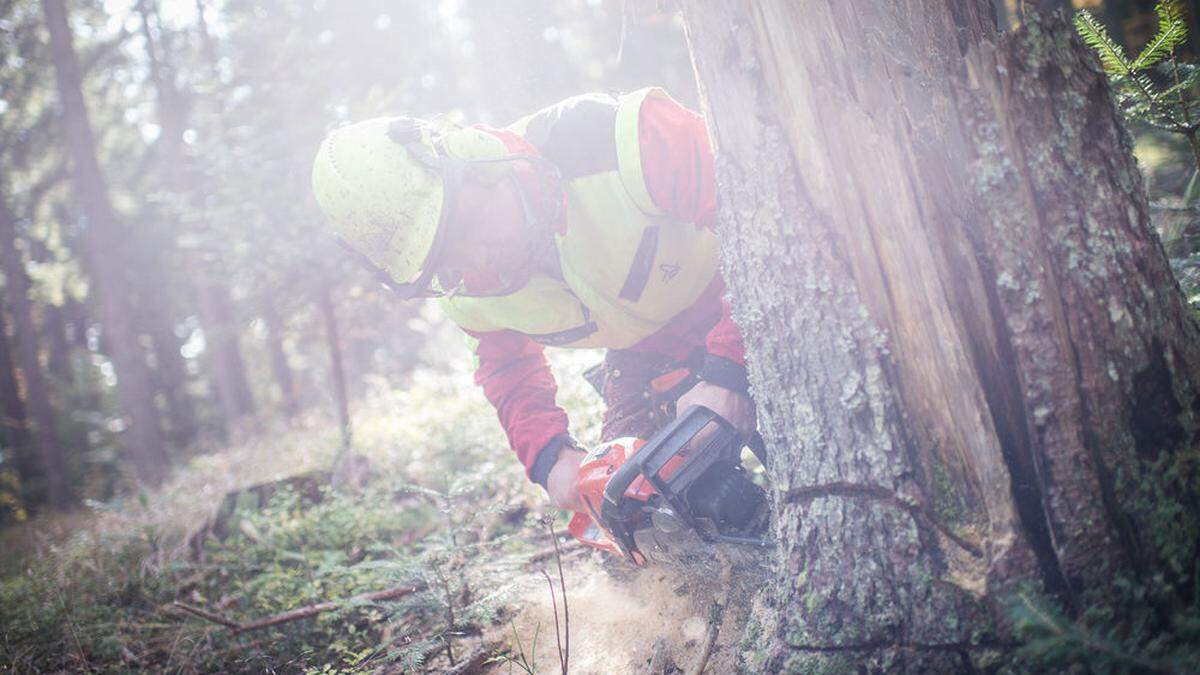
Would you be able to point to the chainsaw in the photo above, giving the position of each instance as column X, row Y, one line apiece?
column 674, row 497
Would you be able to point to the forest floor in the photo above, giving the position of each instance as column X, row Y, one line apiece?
column 443, row 520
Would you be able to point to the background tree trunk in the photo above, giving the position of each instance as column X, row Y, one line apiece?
column 971, row 361
column 106, row 257
column 1065, row 6
column 280, row 370
column 44, row 436
column 54, row 332
column 14, row 421
column 221, row 331
column 171, row 376
column 336, row 367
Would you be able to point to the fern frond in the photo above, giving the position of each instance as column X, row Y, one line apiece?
column 1096, row 36
column 1172, row 31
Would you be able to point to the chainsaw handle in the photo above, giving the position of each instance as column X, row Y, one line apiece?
column 648, row 460
column 651, row 459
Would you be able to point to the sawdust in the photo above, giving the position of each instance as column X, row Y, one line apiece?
column 626, row 620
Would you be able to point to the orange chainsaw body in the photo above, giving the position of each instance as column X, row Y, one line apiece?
column 595, row 471
column 672, row 496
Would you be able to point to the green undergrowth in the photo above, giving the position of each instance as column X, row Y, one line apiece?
column 447, row 511
column 1142, row 640
column 1148, row 623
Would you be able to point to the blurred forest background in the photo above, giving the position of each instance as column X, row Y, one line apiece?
column 170, row 297
column 215, row 269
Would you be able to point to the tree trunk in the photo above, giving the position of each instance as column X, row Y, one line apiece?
column 171, row 378
column 337, row 370
column 17, row 444
column 173, row 110
column 1048, row 6
column 44, row 436
column 54, row 332
column 972, row 364
column 221, row 334
column 80, row 324
column 282, row 372
column 206, row 38
column 105, row 256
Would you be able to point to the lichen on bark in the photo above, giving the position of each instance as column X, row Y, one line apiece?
column 938, row 251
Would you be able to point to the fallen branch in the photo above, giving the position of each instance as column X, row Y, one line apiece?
column 715, row 612
column 205, row 614
column 473, row 661
column 710, row 639
column 298, row 613
column 549, row 552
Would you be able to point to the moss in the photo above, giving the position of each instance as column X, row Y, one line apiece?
column 812, row 602
column 750, row 634
column 821, row 664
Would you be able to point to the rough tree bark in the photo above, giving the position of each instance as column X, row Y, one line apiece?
column 44, row 436
column 106, row 258
column 972, row 364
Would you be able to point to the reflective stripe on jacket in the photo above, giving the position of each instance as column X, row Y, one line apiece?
column 628, row 268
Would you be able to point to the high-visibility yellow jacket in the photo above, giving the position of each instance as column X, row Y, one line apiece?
column 638, row 255
column 628, row 267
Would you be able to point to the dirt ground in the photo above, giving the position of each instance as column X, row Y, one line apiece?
column 632, row 620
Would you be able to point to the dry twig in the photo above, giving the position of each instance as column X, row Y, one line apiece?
column 551, row 551
column 205, row 614
column 564, row 645
column 715, row 613
column 298, row 613
column 474, row 660
column 710, row 638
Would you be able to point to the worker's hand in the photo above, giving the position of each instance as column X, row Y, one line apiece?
column 735, row 407
column 563, row 483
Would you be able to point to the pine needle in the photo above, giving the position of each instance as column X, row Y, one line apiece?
column 1172, row 31
column 1095, row 35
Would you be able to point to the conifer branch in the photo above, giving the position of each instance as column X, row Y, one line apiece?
column 1172, row 31
column 1095, row 35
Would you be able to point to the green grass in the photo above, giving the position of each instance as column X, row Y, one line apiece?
column 94, row 589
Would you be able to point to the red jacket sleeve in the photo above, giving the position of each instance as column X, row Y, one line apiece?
column 515, row 377
column 677, row 162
